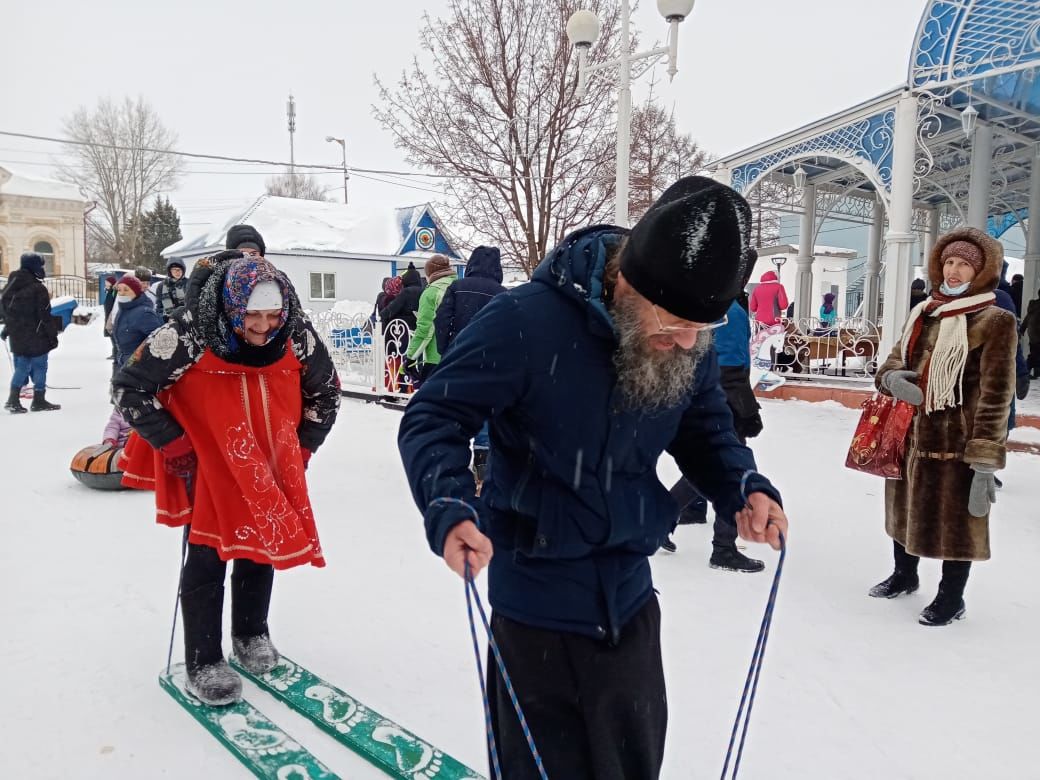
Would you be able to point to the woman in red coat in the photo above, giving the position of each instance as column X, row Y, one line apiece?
column 768, row 300
column 230, row 399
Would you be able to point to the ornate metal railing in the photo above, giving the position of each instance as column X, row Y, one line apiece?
column 369, row 359
column 811, row 349
column 83, row 290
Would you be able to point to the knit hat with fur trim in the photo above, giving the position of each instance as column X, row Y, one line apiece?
column 690, row 253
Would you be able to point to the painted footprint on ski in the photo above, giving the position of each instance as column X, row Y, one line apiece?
column 338, row 710
column 414, row 757
column 254, row 738
column 292, row 772
column 284, row 676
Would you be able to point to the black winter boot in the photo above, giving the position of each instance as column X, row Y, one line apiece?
column 669, row 546
column 948, row 604
column 14, row 402
column 903, row 579
column 732, row 559
column 41, row 404
column 251, row 585
column 210, row 679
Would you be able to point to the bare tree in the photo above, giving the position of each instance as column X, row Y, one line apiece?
column 660, row 154
column 122, row 160
column 526, row 158
column 296, row 185
column 766, row 199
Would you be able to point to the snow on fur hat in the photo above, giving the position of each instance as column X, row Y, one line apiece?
column 690, row 253
column 33, row 263
column 243, row 277
column 437, row 267
column 245, row 235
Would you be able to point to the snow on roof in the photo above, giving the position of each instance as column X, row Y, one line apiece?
column 294, row 225
column 12, row 183
column 818, row 251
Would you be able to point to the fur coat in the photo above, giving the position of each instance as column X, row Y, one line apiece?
column 927, row 511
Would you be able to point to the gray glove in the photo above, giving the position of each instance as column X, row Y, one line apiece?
column 983, row 491
column 903, row 385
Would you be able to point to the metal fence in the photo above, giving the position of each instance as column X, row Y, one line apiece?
column 811, row 349
column 85, row 291
column 369, row 360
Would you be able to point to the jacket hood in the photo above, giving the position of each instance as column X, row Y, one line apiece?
column 574, row 268
column 985, row 280
column 768, row 276
column 411, row 277
column 174, row 262
column 485, row 262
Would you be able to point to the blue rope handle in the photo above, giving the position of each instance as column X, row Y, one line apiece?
column 755, row 670
column 473, row 596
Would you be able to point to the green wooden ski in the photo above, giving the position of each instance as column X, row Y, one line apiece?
column 264, row 749
column 390, row 747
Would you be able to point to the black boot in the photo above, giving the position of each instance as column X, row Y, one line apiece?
column 732, row 559
column 210, row 678
column 669, row 546
column 251, row 585
column 948, row 604
column 41, row 404
column 903, row 579
column 14, row 402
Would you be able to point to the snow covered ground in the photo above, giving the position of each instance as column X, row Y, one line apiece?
column 852, row 687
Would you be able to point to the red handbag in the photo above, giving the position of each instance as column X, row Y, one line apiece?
column 879, row 444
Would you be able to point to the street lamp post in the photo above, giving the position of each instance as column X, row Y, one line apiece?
column 346, row 174
column 582, row 31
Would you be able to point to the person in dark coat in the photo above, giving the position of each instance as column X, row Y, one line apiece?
column 31, row 331
column 732, row 346
column 406, row 304
column 171, row 293
column 1031, row 327
column 587, row 374
column 108, row 304
column 462, row 300
column 137, row 318
column 917, row 292
column 1017, row 285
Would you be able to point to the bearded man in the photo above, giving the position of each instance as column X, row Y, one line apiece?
column 587, row 374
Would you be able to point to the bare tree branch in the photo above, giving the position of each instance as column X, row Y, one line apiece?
column 296, row 185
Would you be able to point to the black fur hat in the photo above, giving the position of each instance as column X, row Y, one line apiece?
column 691, row 252
column 239, row 235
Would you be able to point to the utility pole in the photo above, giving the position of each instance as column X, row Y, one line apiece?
column 290, row 110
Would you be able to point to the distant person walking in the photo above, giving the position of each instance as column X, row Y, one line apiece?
column 31, row 331
column 769, row 300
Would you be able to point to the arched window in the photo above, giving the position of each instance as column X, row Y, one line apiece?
column 46, row 251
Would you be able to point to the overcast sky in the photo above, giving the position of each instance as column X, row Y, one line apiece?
column 219, row 73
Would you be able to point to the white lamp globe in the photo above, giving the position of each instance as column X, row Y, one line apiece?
column 675, row 10
column 583, row 28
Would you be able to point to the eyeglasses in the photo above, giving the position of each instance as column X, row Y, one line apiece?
column 679, row 330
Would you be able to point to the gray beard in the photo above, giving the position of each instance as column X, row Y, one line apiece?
column 652, row 379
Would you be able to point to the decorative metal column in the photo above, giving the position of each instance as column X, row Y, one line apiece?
column 1032, row 256
column 872, row 278
column 929, row 242
column 899, row 253
column 981, row 176
column 803, row 292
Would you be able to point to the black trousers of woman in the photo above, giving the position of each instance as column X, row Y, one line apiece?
column 202, row 602
column 954, row 573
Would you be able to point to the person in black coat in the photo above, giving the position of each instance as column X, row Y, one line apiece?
column 468, row 295
column 31, row 330
column 109, row 304
column 406, row 304
column 136, row 321
column 588, row 373
column 917, row 292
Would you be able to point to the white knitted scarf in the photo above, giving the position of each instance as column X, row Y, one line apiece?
column 944, row 385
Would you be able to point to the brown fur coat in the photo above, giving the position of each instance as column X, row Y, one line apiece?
column 927, row 511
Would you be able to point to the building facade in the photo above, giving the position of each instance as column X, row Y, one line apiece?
column 42, row 216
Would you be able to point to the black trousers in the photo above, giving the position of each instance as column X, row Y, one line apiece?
column 596, row 712
column 202, row 602
column 954, row 573
column 689, row 500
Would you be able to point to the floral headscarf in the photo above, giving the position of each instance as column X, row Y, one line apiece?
column 242, row 277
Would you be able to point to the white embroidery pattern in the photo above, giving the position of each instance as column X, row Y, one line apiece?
column 163, row 343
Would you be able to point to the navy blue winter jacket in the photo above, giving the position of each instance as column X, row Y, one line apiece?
column 468, row 295
column 571, row 499
column 136, row 321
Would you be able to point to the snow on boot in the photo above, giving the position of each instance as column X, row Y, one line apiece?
column 899, row 583
column 14, row 403
column 731, row 559
column 215, row 684
column 946, row 608
column 256, row 653
column 41, row 404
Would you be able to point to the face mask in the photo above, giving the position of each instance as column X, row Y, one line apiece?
column 954, row 291
column 124, row 298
